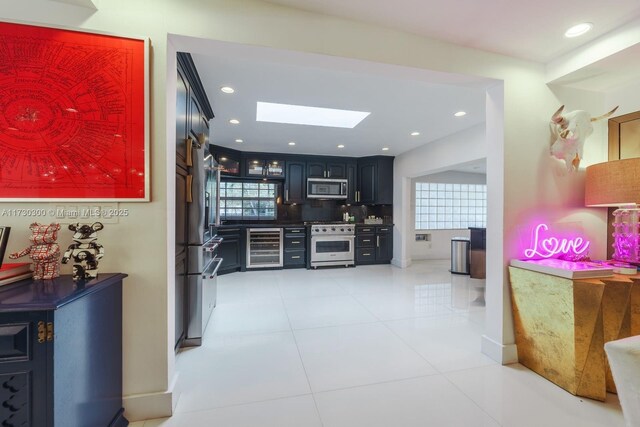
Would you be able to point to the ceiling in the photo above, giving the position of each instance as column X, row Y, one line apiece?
column 531, row 30
column 398, row 104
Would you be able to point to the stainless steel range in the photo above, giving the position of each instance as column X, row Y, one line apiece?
column 332, row 244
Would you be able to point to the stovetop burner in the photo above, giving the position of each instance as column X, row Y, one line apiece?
column 326, row 222
column 340, row 228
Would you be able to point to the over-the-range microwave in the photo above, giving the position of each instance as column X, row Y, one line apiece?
column 323, row 188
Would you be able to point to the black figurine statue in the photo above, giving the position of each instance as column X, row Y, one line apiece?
column 85, row 251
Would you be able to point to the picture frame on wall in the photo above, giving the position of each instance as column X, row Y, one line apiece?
column 4, row 239
column 74, row 115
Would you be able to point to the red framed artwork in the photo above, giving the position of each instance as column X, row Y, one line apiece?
column 73, row 115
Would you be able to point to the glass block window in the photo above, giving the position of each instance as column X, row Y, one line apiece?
column 247, row 200
column 450, row 206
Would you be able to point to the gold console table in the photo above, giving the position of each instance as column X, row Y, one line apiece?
column 561, row 326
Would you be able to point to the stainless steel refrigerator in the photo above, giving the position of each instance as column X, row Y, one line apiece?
column 202, row 262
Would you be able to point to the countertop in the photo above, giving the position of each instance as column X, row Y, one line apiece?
column 30, row 295
column 290, row 224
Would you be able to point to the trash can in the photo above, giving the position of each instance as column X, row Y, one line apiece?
column 460, row 255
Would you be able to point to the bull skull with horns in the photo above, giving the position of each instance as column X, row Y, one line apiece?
column 570, row 131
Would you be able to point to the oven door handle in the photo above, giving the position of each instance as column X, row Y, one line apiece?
column 211, row 275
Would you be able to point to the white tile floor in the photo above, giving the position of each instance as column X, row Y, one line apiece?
column 366, row 346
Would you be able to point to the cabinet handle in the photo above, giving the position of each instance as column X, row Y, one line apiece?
column 201, row 139
column 295, row 243
column 189, row 153
column 286, row 195
column 366, row 240
column 42, row 332
column 367, row 254
column 295, row 257
column 50, row 331
column 189, row 196
column 358, row 196
column 227, row 230
column 328, row 174
column 377, row 241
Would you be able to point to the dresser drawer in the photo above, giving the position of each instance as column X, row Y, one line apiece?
column 294, row 258
column 296, row 242
column 365, row 255
column 365, row 241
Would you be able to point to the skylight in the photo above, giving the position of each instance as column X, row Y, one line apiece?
column 303, row 115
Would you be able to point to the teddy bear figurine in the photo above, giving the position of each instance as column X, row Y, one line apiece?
column 85, row 251
column 44, row 251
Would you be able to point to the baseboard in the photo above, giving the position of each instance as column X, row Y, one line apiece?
column 501, row 353
column 404, row 263
column 138, row 407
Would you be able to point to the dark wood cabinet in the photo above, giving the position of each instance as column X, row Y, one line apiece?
column 316, row 170
column 384, row 245
column 352, row 182
column 180, row 300
column 375, row 180
column 261, row 168
column 182, row 108
column 61, row 353
column 326, row 169
column 295, row 247
column 230, row 250
column 367, row 180
column 374, row 244
column 295, row 184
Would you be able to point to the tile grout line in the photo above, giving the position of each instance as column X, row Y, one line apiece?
column 469, row 397
column 304, row 369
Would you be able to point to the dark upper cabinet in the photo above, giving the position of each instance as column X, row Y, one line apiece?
column 256, row 167
column 375, row 180
column 352, row 182
column 196, row 116
column 295, row 184
column 182, row 105
column 229, row 160
column 316, row 170
column 326, row 169
column 367, row 182
column 336, row 170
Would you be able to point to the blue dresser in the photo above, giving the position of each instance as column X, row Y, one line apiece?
column 61, row 353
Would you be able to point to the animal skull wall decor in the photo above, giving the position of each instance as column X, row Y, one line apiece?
column 570, row 131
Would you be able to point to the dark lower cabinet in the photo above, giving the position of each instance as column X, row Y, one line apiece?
column 180, row 298
column 61, row 353
column 230, row 250
column 374, row 244
column 295, row 247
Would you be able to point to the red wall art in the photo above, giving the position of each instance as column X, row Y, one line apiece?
column 73, row 119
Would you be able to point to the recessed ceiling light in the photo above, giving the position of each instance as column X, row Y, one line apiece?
column 303, row 115
column 227, row 89
column 340, row 146
column 578, row 30
column 224, row 159
column 234, row 121
column 239, row 140
column 385, row 149
column 460, row 114
column 415, row 133
column 292, row 143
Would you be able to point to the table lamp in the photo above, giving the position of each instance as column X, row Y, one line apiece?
column 617, row 184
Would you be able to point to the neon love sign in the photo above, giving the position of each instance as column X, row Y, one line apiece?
column 552, row 246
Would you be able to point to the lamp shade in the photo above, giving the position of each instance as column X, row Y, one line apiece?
column 614, row 183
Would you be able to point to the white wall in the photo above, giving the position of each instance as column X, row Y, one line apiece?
column 439, row 247
column 627, row 97
column 516, row 156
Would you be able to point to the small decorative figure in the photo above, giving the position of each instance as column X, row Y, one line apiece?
column 85, row 251
column 44, row 251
